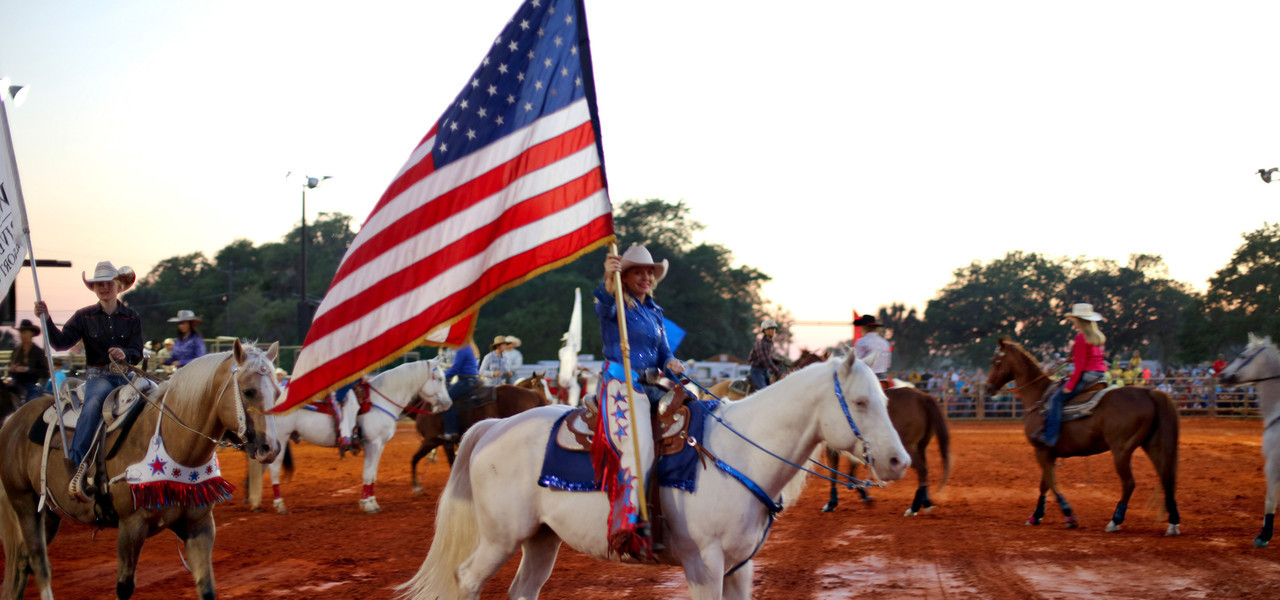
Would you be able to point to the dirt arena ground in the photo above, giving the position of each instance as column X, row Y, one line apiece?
column 973, row 546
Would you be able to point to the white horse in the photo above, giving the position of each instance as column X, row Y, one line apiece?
column 492, row 504
column 1259, row 365
column 390, row 392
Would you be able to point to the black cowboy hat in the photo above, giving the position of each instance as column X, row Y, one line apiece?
column 866, row 321
column 27, row 325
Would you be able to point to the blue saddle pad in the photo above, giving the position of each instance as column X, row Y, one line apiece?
column 571, row 470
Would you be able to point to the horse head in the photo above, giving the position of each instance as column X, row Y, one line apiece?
column 1002, row 371
column 858, row 421
column 434, row 392
column 255, row 379
column 1259, row 361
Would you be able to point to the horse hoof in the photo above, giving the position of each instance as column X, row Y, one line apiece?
column 1112, row 527
column 417, row 491
column 1172, row 530
column 928, row 510
column 1258, row 542
column 1032, row 520
column 256, row 509
column 1072, row 523
column 869, row 500
column 910, row 513
column 829, row 508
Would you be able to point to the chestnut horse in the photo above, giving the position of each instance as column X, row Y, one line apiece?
column 227, row 392
column 508, row 400
column 1125, row 419
column 917, row 417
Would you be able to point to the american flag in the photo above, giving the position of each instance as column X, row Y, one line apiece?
column 507, row 184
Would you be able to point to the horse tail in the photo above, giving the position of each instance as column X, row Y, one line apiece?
column 457, row 529
column 1162, row 447
column 938, row 422
column 15, row 549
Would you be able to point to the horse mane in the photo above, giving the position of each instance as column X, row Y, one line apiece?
column 407, row 372
column 197, row 378
column 1026, row 354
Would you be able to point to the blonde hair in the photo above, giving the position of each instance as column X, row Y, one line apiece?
column 1092, row 333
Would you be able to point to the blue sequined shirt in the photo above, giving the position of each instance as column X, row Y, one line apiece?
column 645, row 332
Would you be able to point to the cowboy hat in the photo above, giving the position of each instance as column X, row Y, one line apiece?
column 768, row 324
column 498, row 341
column 866, row 321
column 105, row 271
column 186, row 315
column 27, row 325
column 1084, row 311
column 514, row 341
column 638, row 256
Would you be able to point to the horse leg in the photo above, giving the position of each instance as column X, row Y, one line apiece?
column 705, row 577
column 833, row 459
column 129, row 540
column 253, row 497
column 372, row 454
column 32, row 527
column 539, row 556
column 423, row 450
column 1273, row 493
column 1124, row 468
column 197, row 535
column 737, row 585
column 277, row 500
column 487, row 558
column 1046, row 482
column 921, row 500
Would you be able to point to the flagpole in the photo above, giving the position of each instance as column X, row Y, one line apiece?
column 626, row 364
column 31, row 255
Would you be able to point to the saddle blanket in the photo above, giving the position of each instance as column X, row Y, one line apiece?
column 571, row 470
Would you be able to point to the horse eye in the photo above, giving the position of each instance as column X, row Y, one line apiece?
column 249, row 393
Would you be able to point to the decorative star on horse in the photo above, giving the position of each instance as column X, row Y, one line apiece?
column 157, row 466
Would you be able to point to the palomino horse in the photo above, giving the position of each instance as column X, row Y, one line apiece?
column 210, row 396
column 1125, row 419
column 390, row 393
column 508, row 400
column 917, row 417
column 1259, row 365
column 492, row 504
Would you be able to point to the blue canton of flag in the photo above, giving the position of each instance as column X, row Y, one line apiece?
column 533, row 69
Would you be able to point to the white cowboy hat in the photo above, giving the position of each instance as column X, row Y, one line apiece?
column 186, row 315
column 1084, row 311
column 513, row 340
column 105, row 271
column 498, row 341
column 768, row 324
column 638, row 256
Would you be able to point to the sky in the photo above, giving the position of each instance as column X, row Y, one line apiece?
column 857, row 152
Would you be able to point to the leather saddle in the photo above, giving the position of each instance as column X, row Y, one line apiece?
column 1079, row 406
column 119, row 403
column 670, row 426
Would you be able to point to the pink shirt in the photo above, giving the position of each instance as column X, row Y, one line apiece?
column 1084, row 357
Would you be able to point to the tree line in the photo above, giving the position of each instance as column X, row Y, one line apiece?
column 251, row 291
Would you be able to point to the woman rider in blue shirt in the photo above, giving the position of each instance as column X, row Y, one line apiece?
column 467, row 369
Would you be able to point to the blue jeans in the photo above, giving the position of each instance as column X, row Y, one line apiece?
column 1053, row 417
column 460, row 388
column 759, row 378
column 96, row 389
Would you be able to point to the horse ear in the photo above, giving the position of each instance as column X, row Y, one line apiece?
column 1003, row 340
column 847, row 365
column 273, row 351
column 237, row 351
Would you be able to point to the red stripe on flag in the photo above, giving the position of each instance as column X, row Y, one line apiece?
column 394, row 285
column 501, row 275
column 464, row 196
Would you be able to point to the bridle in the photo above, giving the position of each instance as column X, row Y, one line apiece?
column 241, row 412
column 1014, row 390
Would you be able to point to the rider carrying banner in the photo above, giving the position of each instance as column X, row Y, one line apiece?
column 624, row 448
column 111, row 332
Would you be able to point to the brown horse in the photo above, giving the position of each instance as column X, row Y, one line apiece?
column 917, row 417
column 212, row 395
column 508, row 400
column 1125, row 419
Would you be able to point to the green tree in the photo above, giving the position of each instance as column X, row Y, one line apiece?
column 1243, row 297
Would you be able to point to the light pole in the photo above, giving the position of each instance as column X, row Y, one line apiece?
column 304, row 308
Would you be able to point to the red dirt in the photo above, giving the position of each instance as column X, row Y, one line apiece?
column 973, row 546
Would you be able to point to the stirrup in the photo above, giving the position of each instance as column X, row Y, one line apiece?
column 77, row 486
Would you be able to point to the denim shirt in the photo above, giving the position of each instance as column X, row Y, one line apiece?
column 464, row 363
column 186, row 349
column 645, row 332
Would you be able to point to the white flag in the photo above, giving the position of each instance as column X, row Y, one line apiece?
column 567, row 376
column 13, row 245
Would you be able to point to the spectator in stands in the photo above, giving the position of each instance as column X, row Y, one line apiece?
column 27, row 363
column 189, row 345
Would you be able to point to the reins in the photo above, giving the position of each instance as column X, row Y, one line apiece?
column 165, row 411
column 1043, row 375
column 409, row 408
column 853, row 481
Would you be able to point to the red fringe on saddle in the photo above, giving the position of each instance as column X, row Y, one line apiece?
column 159, row 494
column 625, row 538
